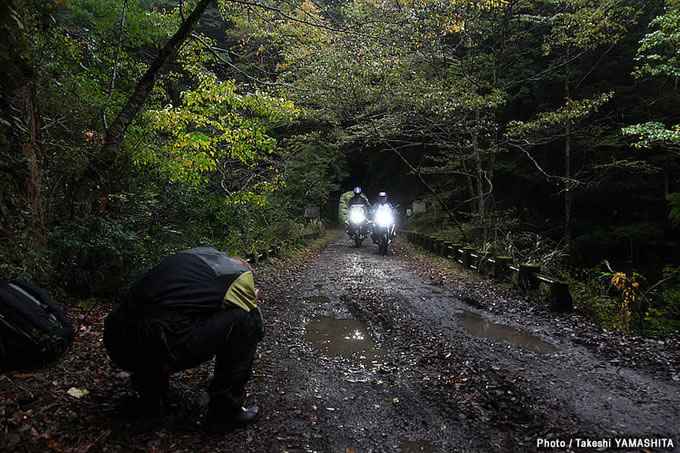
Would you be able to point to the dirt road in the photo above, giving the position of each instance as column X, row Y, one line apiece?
column 365, row 353
column 434, row 373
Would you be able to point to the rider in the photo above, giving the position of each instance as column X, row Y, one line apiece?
column 359, row 198
column 381, row 203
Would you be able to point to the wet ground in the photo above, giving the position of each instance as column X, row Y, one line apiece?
column 381, row 358
column 365, row 353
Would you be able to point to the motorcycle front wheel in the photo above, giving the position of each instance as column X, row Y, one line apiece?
column 382, row 245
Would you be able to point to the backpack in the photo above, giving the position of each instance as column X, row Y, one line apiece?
column 33, row 329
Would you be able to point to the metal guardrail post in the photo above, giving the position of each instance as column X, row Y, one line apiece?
column 467, row 257
column 561, row 297
column 526, row 276
column 446, row 249
column 437, row 246
column 529, row 274
column 455, row 251
column 501, row 267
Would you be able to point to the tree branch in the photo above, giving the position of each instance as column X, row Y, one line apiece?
column 93, row 180
column 213, row 51
column 114, row 72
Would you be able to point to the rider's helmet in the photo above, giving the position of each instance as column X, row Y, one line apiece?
column 357, row 190
column 382, row 197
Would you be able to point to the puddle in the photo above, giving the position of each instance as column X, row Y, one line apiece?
column 480, row 327
column 318, row 286
column 413, row 446
column 342, row 337
column 317, row 299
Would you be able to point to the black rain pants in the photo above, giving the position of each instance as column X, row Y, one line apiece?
column 157, row 344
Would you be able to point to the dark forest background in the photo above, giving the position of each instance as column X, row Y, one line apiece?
column 546, row 130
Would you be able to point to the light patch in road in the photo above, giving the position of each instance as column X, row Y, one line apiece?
column 481, row 327
column 347, row 338
column 317, row 299
column 417, row 446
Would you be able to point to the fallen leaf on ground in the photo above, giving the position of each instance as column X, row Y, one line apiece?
column 77, row 393
column 23, row 375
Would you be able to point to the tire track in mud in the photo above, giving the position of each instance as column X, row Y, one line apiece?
column 435, row 386
column 350, row 403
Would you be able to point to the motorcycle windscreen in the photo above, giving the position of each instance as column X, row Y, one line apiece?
column 192, row 281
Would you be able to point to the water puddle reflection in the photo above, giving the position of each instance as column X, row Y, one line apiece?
column 342, row 337
column 317, row 299
column 480, row 327
column 414, row 446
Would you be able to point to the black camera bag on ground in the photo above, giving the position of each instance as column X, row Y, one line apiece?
column 33, row 329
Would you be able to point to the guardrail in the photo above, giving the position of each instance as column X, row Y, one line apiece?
column 529, row 276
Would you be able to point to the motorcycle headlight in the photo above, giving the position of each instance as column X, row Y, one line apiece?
column 384, row 218
column 357, row 216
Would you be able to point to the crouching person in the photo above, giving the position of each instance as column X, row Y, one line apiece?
column 193, row 306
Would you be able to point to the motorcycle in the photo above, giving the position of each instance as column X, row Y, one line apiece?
column 384, row 228
column 358, row 226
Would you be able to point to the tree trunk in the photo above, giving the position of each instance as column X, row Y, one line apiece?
column 96, row 180
column 32, row 153
column 667, row 176
column 567, row 161
column 32, row 177
column 22, row 218
column 479, row 171
column 114, row 71
column 470, row 188
column 567, row 175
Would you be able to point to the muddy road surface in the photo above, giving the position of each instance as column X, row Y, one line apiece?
column 373, row 353
column 370, row 353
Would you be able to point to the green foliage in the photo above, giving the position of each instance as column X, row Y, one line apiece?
column 653, row 133
column 342, row 206
column 588, row 24
column 95, row 256
column 663, row 314
column 612, row 299
column 590, row 291
column 214, row 128
column 659, row 53
column 310, row 169
column 674, row 202
column 547, row 122
column 659, row 50
column 617, row 301
column 100, row 22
